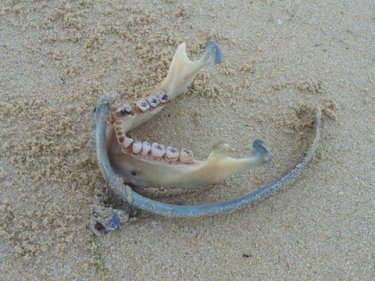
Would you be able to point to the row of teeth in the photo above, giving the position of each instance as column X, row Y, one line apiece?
column 154, row 151
column 143, row 105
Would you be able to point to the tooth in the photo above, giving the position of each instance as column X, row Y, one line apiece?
column 124, row 109
column 127, row 142
column 157, row 151
column 186, row 156
column 163, row 97
column 146, row 147
column 171, row 154
column 153, row 101
column 137, row 147
column 142, row 105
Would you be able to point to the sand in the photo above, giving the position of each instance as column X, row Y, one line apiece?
column 281, row 58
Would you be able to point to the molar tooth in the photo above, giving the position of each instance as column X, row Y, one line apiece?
column 142, row 105
column 127, row 142
column 146, row 147
column 186, row 156
column 153, row 101
column 163, row 97
column 157, row 151
column 137, row 147
column 171, row 154
column 124, row 110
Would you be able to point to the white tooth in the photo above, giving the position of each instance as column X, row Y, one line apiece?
column 153, row 101
column 146, row 147
column 142, row 105
column 127, row 142
column 171, row 154
column 157, row 151
column 124, row 109
column 163, row 97
column 186, row 156
column 137, row 147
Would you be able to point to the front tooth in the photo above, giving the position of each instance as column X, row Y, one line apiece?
column 186, row 156
column 137, row 147
column 171, row 154
column 127, row 142
column 124, row 109
column 153, row 101
column 157, row 151
column 146, row 147
column 142, row 105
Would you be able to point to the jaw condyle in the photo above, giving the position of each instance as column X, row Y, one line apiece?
column 127, row 162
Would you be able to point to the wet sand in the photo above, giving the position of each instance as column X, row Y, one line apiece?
column 281, row 58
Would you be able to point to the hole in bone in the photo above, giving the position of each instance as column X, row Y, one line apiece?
column 121, row 139
column 134, row 173
column 99, row 227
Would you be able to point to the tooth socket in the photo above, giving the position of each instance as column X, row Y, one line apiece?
column 186, row 156
column 142, row 105
column 120, row 134
column 171, row 154
column 157, row 151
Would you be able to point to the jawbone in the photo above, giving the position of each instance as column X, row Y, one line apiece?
column 142, row 164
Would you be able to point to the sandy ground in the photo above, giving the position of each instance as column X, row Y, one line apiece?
column 58, row 58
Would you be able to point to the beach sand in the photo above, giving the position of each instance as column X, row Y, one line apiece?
column 281, row 58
